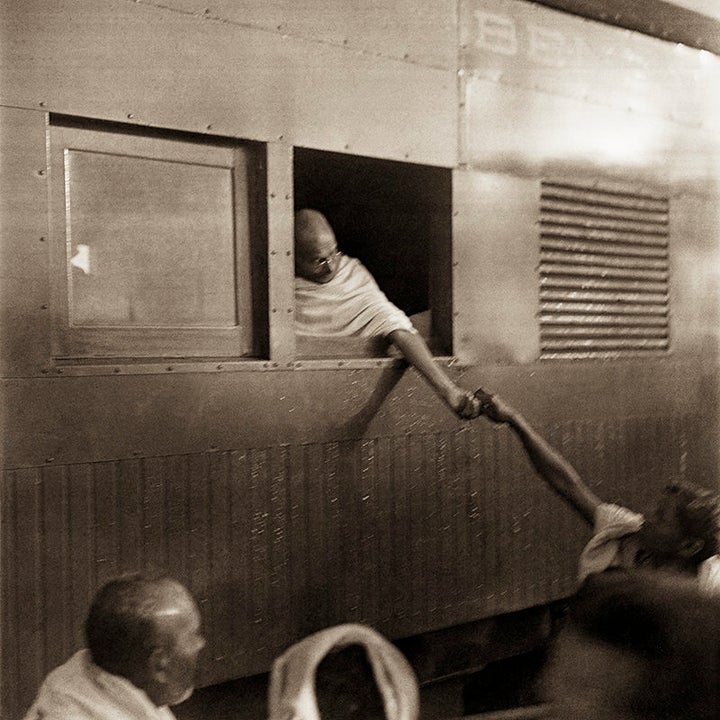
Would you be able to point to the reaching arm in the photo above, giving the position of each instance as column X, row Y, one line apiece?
column 417, row 353
column 559, row 474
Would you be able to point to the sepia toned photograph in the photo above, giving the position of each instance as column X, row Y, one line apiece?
column 360, row 360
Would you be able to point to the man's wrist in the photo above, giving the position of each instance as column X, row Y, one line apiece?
column 515, row 420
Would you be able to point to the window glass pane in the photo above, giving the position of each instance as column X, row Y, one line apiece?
column 150, row 242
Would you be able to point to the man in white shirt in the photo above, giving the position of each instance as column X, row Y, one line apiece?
column 143, row 640
column 682, row 535
column 335, row 296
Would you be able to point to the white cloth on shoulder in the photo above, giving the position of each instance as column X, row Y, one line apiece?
column 292, row 680
column 351, row 304
column 709, row 576
column 612, row 544
column 80, row 690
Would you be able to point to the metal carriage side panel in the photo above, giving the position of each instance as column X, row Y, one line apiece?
column 512, row 129
column 24, row 243
column 68, row 419
column 694, row 228
column 545, row 90
column 495, row 258
column 284, row 539
column 245, row 513
column 9, row 653
column 159, row 66
column 421, row 31
column 518, row 44
column 692, row 22
column 59, row 644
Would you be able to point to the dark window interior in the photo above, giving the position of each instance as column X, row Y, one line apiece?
column 394, row 217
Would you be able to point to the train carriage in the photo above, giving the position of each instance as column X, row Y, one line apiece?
column 540, row 190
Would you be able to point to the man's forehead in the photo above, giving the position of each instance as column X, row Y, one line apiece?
column 172, row 598
column 174, row 616
column 311, row 224
column 316, row 242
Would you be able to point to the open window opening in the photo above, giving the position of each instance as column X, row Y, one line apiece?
column 396, row 219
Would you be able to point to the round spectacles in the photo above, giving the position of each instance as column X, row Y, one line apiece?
column 326, row 260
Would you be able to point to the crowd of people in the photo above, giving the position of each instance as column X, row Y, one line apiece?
column 641, row 641
column 638, row 644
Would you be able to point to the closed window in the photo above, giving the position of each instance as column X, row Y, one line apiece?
column 151, row 244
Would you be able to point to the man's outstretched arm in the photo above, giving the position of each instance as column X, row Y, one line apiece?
column 559, row 474
column 417, row 353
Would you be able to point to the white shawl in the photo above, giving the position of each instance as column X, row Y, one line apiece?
column 80, row 690
column 351, row 304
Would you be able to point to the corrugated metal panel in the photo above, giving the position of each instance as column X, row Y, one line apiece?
column 410, row 533
column 9, row 598
column 56, row 577
column 28, row 575
column 604, row 270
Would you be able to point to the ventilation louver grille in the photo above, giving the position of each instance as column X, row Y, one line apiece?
column 603, row 271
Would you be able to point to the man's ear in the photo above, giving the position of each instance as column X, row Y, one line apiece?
column 157, row 664
column 691, row 547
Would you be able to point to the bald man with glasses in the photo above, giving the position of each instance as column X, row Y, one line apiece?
column 336, row 296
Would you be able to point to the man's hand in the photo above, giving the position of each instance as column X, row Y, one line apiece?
column 469, row 407
column 493, row 407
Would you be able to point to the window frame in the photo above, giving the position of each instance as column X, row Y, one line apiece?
column 353, row 189
column 268, row 172
column 111, row 343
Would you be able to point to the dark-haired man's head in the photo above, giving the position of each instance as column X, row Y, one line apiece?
column 148, row 631
column 684, row 529
column 345, row 686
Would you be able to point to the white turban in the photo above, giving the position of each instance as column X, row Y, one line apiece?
column 292, row 680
